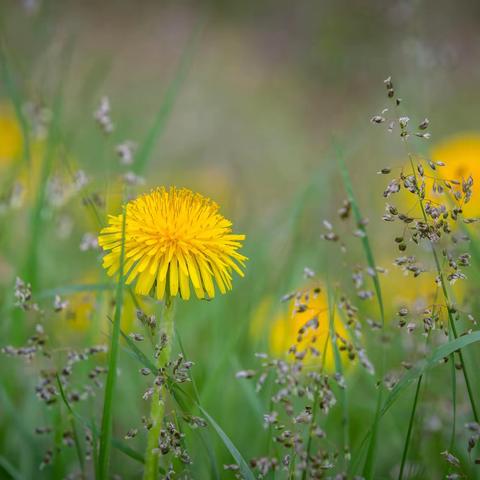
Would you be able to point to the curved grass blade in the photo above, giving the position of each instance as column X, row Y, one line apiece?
column 208, row 447
column 9, row 469
column 243, row 465
column 420, row 368
column 244, row 468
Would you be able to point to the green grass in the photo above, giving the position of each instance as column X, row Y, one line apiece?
column 274, row 196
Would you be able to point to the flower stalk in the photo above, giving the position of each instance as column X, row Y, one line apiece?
column 157, row 408
column 448, row 305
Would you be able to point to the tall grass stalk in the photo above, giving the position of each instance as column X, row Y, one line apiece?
column 410, row 427
column 448, row 305
column 107, row 418
column 339, row 370
column 71, row 418
column 310, row 432
column 369, row 466
column 157, row 409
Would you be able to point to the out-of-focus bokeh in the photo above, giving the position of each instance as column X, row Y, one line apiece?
column 248, row 103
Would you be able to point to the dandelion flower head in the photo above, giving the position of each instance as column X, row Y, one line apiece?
column 173, row 239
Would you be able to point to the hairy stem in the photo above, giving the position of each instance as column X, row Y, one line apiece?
column 157, row 408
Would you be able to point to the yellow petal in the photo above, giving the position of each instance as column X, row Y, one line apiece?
column 173, row 277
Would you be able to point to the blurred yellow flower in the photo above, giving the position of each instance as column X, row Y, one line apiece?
column 406, row 290
column 10, row 136
column 416, row 293
column 173, row 237
column 80, row 311
column 306, row 327
column 461, row 156
column 89, row 309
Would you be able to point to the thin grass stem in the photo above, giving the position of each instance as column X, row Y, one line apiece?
column 369, row 467
column 339, row 371
column 410, row 427
column 448, row 303
column 107, row 418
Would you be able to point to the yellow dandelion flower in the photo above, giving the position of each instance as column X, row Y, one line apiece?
column 307, row 326
column 173, row 237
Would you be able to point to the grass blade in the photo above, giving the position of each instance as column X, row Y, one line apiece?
column 410, row 427
column 116, row 443
column 338, row 369
column 434, row 359
column 36, row 221
column 138, row 354
column 9, row 469
column 107, row 418
column 251, row 396
column 370, row 459
column 244, row 468
column 76, row 440
column 208, row 447
column 365, row 241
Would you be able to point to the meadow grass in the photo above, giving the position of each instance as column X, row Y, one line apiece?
column 80, row 400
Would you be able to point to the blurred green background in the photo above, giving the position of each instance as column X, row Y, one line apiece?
column 251, row 100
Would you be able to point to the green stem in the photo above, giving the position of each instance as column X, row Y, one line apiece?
column 339, row 370
column 454, row 400
column 107, row 418
column 78, row 447
column 451, row 321
column 410, row 426
column 157, row 408
column 310, row 430
column 448, row 303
